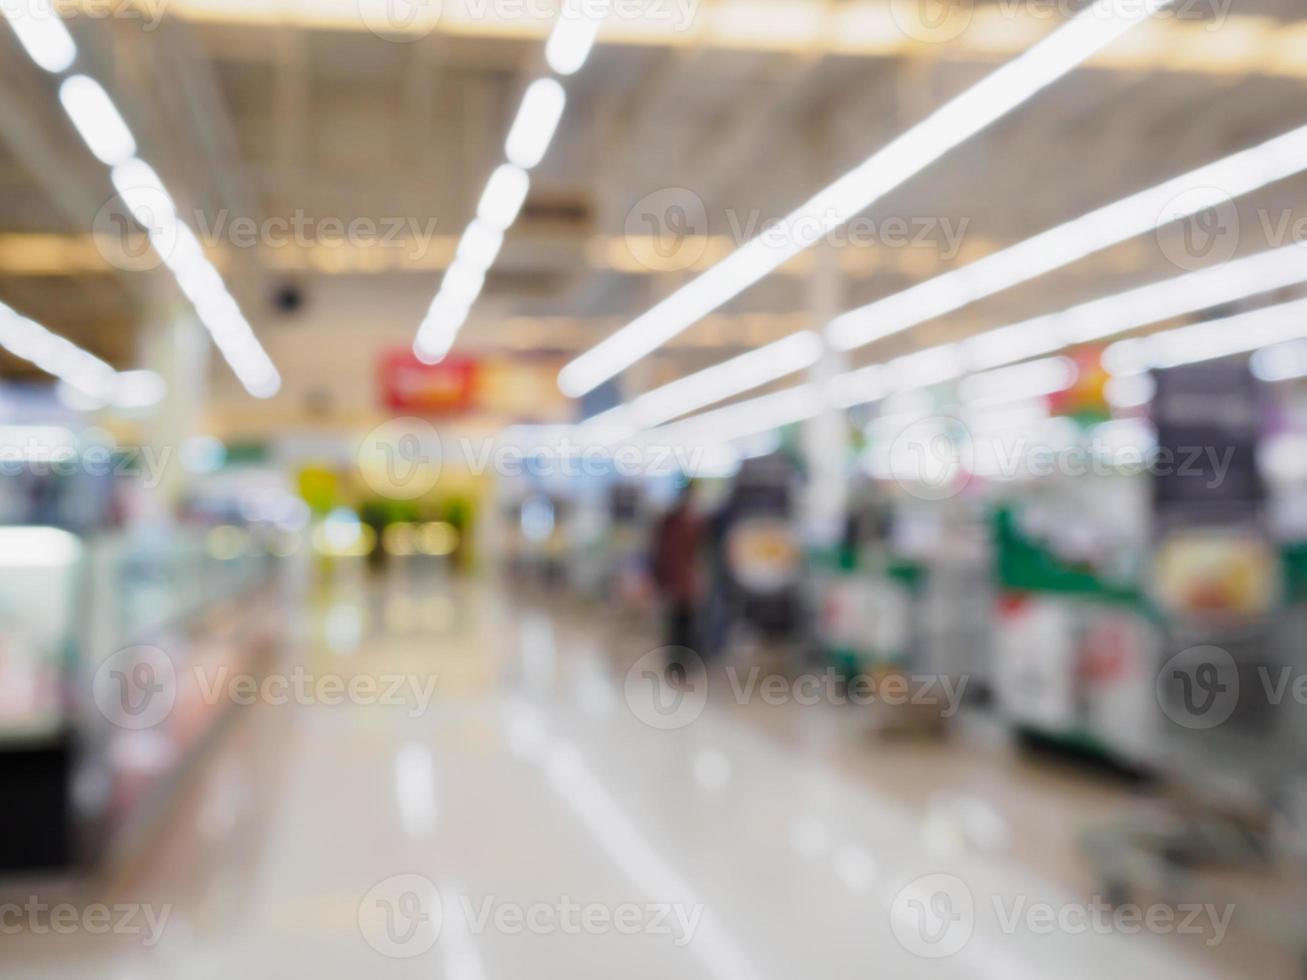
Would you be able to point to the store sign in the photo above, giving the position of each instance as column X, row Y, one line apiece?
column 513, row 389
column 408, row 385
column 1209, row 422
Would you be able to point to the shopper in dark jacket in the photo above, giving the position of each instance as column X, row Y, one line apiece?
column 678, row 538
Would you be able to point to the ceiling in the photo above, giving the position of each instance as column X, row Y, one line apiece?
column 282, row 134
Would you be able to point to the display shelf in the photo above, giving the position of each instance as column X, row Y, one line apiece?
column 68, row 605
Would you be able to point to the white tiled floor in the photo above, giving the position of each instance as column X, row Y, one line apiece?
column 530, row 782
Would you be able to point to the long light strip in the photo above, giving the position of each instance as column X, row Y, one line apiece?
column 613, row 831
column 1180, row 197
column 1095, row 320
column 1281, row 362
column 537, row 121
column 149, row 202
column 42, row 34
column 742, row 419
column 1207, row 341
column 109, row 138
column 967, row 114
column 528, row 140
column 1228, row 178
column 47, row 42
column 53, row 354
column 685, row 395
column 96, row 381
column 97, row 120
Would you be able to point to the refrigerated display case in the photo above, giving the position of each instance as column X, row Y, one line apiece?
column 79, row 616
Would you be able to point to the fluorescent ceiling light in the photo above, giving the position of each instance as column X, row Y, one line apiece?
column 1130, row 390
column 745, row 418
column 1186, row 195
column 480, row 244
column 97, row 120
column 1034, row 379
column 536, row 122
column 964, row 116
column 55, row 355
column 440, row 328
column 42, row 34
column 38, row 547
column 145, row 196
column 462, row 284
column 108, row 137
column 1095, row 320
column 1239, row 334
column 503, row 197
column 751, row 370
column 867, row 384
column 185, row 252
column 1281, row 362
column 139, row 389
column 501, row 202
column 574, row 36
column 1100, row 318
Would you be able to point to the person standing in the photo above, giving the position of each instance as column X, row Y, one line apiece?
column 677, row 571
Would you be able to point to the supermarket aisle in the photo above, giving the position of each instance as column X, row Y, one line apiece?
column 527, row 823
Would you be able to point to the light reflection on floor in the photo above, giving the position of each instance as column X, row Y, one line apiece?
column 529, row 783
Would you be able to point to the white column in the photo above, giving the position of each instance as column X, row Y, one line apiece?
column 825, row 437
column 174, row 344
